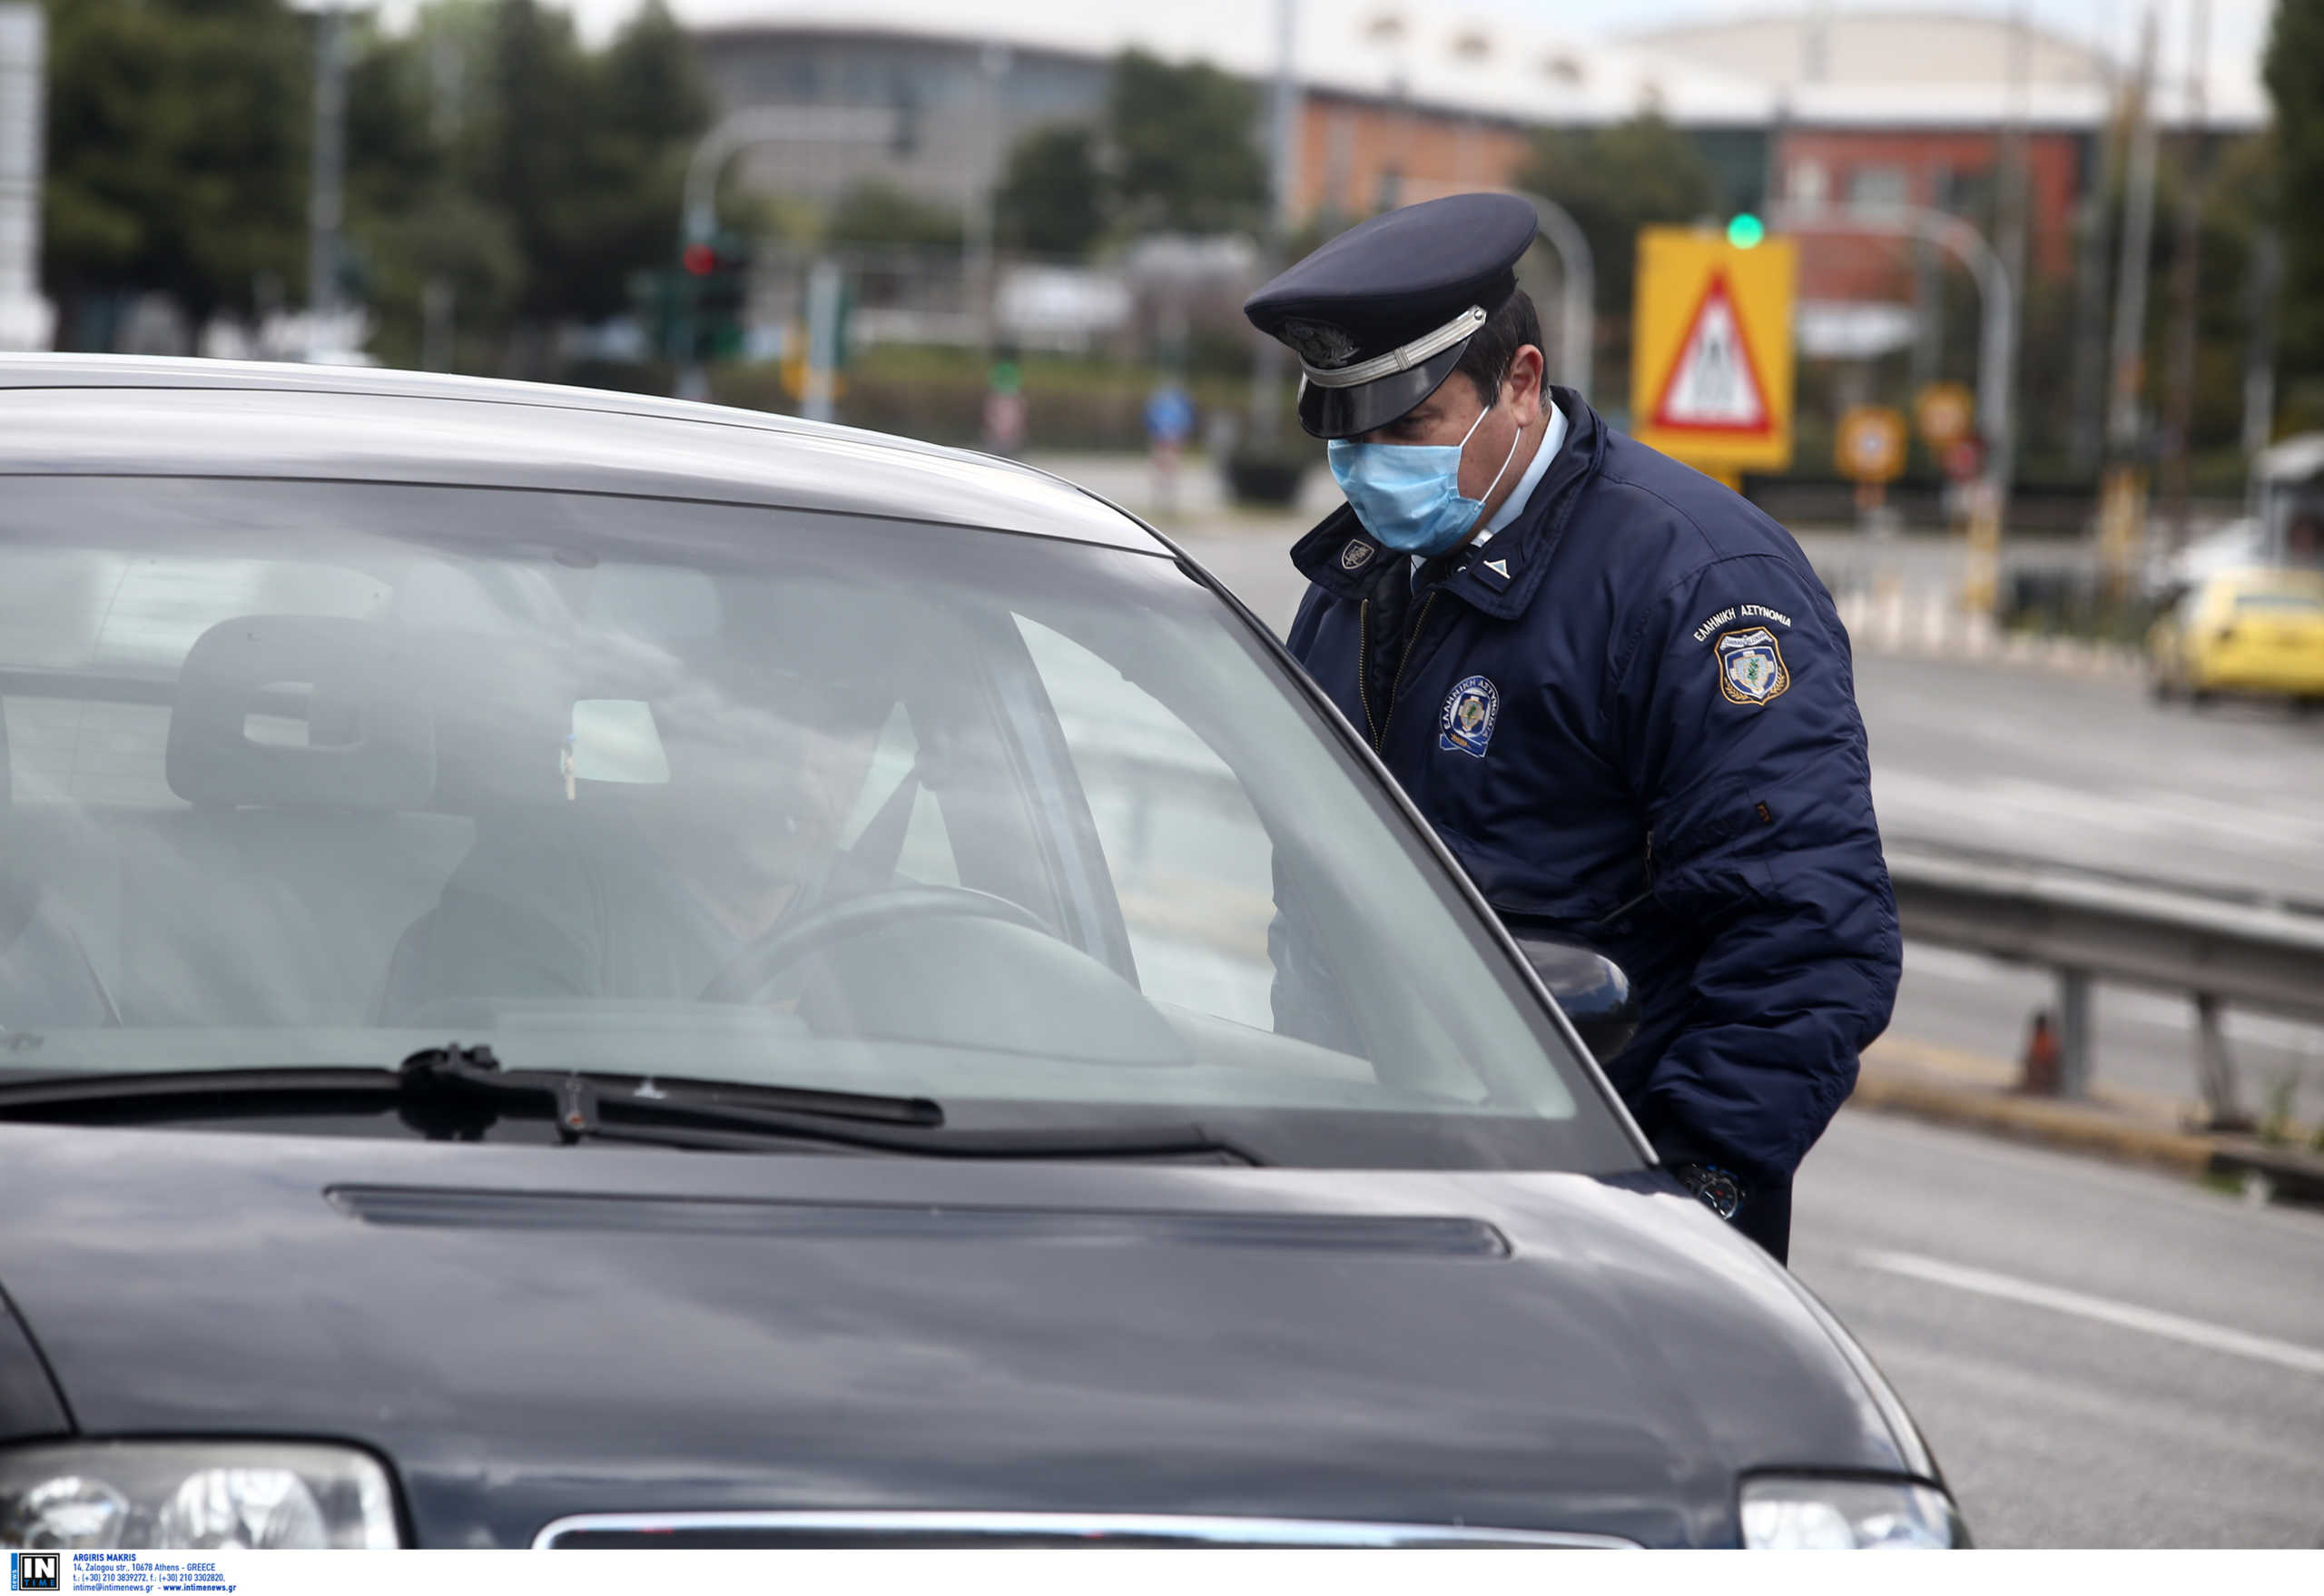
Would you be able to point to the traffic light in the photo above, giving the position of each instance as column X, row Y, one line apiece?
column 717, row 272
column 1745, row 231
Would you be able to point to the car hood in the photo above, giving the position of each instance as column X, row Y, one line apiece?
column 532, row 1333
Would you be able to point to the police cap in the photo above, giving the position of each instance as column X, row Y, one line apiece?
column 1379, row 316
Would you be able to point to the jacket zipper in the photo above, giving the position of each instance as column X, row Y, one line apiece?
column 1362, row 615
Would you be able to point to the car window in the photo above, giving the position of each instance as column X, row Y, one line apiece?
column 324, row 774
column 1189, row 862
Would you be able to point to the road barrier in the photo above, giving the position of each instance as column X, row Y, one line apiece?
column 2218, row 949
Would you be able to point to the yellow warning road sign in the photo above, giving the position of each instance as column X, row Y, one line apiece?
column 1944, row 412
column 1870, row 446
column 1710, row 348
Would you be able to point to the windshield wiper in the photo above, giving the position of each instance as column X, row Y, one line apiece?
column 457, row 1093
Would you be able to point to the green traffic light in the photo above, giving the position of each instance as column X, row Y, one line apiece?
column 1746, row 231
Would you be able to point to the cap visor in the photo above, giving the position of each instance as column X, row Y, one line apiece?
column 1350, row 412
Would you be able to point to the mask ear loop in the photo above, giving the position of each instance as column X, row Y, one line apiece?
column 1497, row 475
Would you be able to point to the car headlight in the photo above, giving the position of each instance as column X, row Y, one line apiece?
column 1803, row 1513
column 193, row 1494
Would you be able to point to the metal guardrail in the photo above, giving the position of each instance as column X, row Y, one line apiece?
column 2217, row 950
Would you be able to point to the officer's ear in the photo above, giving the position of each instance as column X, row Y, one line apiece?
column 1521, row 388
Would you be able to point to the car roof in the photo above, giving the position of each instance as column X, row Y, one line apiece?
column 111, row 415
column 2300, row 579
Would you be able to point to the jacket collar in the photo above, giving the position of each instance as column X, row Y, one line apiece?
column 1501, row 579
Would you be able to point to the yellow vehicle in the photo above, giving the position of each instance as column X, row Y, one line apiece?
column 2254, row 631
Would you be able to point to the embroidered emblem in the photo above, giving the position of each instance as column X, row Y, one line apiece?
column 1499, row 569
column 1469, row 711
column 1355, row 555
column 1319, row 343
column 1750, row 666
column 1750, row 611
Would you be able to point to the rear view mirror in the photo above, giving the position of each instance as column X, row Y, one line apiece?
column 1591, row 988
column 616, row 740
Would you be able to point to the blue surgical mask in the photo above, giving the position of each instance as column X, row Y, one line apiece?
column 1408, row 494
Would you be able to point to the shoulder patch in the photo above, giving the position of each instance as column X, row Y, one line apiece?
column 1750, row 666
column 1355, row 555
column 1465, row 725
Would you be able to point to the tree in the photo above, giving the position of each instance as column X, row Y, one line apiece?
column 876, row 212
column 1184, row 139
column 489, row 149
column 1053, row 199
column 2295, row 76
column 177, row 151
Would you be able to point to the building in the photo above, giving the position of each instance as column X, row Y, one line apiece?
column 1877, row 110
column 1396, row 101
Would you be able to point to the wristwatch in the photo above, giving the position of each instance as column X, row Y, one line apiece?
column 1721, row 1192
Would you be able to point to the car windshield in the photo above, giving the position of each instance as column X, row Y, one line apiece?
column 325, row 774
column 2280, row 600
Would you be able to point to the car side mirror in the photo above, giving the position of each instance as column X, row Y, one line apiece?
column 1591, row 988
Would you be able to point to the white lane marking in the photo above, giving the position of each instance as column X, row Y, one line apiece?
column 2307, row 1360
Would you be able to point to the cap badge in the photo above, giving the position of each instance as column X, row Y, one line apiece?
column 1355, row 555
column 1318, row 344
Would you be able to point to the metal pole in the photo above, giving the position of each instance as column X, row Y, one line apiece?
column 2138, row 232
column 2260, row 353
column 823, row 339
column 328, row 169
column 1578, row 328
column 1266, row 364
column 26, row 318
column 2073, row 1033
column 1997, row 307
column 976, row 238
column 2090, row 301
column 2179, row 397
column 2215, row 1066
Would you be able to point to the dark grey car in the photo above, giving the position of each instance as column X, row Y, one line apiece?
column 585, row 971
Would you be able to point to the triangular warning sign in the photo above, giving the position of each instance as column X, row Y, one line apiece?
column 1713, row 386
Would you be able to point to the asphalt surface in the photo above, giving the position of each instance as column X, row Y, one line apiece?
column 2036, row 761
column 2098, row 1356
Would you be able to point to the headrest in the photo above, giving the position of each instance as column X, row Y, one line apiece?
column 369, row 741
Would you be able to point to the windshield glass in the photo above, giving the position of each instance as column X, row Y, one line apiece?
column 315, row 774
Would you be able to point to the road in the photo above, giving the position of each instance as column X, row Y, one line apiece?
column 2099, row 1357
column 2029, row 760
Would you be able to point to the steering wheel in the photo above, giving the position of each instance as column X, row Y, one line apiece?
column 751, row 970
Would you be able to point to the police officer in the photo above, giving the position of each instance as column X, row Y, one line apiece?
column 1616, row 689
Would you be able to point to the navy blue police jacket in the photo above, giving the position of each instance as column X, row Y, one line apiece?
column 1631, row 716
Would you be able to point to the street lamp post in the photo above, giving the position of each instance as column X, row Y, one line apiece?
column 328, row 170
column 1996, row 353
column 1578, row 320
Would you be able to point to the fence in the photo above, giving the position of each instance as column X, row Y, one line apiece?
column 2217, row 949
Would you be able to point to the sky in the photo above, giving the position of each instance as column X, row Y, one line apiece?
column 2238, row 28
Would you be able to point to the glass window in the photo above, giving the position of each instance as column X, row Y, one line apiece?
column 1190, row 863
column 312, row 773
column 1877, row 188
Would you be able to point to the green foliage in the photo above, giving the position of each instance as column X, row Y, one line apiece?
column 177, row 148
column 2295, row 76
column 1184, row 137
column 1614, row 180
column 487, row 150
column 1053, row 199
column 875, row 212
